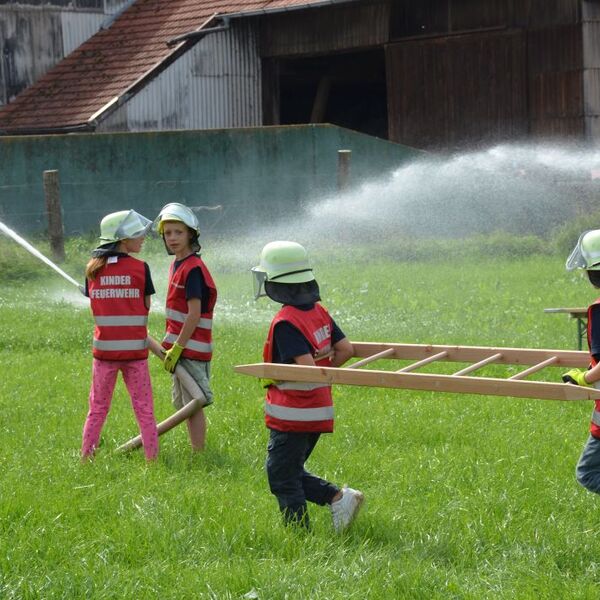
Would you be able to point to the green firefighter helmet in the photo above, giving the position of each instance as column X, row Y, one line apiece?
column 122, row 225
column 586, row 254
column 174, row 211
column 281, row 262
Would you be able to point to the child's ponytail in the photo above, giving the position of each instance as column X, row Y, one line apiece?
column 94, row 266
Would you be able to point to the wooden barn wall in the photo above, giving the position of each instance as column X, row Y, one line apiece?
column 330, row 29
column 410, row 18
column 457, row 90
column 547, row 13
column 555, row 60
column 591, row 68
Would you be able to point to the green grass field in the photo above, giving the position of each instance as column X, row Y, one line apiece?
column 467, row 496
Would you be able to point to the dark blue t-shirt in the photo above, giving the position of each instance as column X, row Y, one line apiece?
column 288, row 342
column 595, row 332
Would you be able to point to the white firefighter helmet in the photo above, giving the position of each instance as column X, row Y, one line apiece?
column 586, row 254
column 281, row 262
column 122, row 225
column 174, row 211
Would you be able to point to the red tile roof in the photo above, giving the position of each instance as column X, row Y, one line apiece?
column 110, row 62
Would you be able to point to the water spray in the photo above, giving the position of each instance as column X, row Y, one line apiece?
column 35, row 252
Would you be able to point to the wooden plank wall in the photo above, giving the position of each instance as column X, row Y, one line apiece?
column 456, row 90
column 591, row 68
column 555, row 85
column 354, row 26
column 524, row 77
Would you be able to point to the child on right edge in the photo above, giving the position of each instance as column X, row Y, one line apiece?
column 586, row 256
column 296, row 413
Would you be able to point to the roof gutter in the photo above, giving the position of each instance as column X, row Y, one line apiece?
column 80, row 128
column 198, row 35
column 285, row 9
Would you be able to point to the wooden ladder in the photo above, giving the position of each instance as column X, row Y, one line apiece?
column 461, row 382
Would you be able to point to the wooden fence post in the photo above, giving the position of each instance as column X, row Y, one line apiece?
column 53, row 209
column 343, row 174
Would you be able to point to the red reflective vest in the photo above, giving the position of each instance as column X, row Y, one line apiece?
column 300, row 406
column 595, row 423
column 199, row 346
column 120, row 314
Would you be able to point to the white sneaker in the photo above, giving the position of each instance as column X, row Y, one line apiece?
column 344, row 510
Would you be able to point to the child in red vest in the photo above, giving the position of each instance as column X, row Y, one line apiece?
column 191, row 299
column 586, row 255
column 302, row 333
column 119, row 287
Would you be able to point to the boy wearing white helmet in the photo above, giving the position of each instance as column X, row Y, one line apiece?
column 120, row 287
column 586, row 256
column 296, row 414
column 191, row 298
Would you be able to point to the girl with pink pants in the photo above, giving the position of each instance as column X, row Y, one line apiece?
column 137, row 381
column 120, row 288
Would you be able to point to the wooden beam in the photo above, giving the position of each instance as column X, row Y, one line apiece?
column 478, row 365
column 372, row 358
column 420, row 381
column 319, row 108
column 470, row 354
column 423, row 362
column 553, row 360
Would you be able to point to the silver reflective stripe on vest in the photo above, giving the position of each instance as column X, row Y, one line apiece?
column 128, row 321
column 120, row 344
column 171, row 338
column 180, row 317
column 596, row 418
column 300, row 386
column 285, row 413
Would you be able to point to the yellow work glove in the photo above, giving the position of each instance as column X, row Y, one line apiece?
column 171, row 357
column 575, row 376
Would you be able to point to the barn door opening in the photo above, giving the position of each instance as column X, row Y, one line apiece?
column 344, row 89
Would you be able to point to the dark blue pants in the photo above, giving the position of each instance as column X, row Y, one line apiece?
column 289, row 481
column 588, row 467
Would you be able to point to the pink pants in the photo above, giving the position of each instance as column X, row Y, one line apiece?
column 137, row 381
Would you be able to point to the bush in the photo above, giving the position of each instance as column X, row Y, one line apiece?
column 495, row 245
column 17, row 264
column 565, row 237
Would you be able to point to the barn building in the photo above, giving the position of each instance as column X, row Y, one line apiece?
column 426, row 73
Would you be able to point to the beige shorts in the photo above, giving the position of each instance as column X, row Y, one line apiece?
column 200, row 372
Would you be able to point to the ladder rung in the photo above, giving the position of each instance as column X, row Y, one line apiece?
column 478, row 365
column 545, row 363
column 423, row 362
column 373, row 357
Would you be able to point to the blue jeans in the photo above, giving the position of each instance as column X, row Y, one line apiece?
column 588, row 467
column 289, row 481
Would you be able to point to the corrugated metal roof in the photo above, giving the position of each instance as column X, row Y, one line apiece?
column 111, row 63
